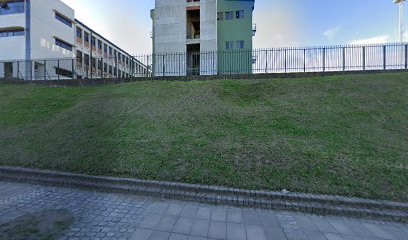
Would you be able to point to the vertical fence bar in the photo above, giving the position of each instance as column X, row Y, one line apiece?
column 58, row 64
column 344, row 59
column 45, row 70
column 73, row 69
column 406, row 56
column 304, row 60
column 324, row 59
column 163, row 64
column 285, row 55
column 385, row 57
column 18, row 69
column 364, row 58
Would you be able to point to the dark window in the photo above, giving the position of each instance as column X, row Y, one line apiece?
column 239, row 14
column 11, row 7
column 63, row 72
column 93, row 41
column 8, row 70
column 105, row 67
column 100, row 44
column 86, row 36
column 110, row 50
column 11, row 33
column 229, row 15
column 240, row 44
column 79, row 32
column 229, row 45
column 93, row 62
column 115, row 71
column 220, row 16
column 63, row 44
column 105, row 48
column 86, row 60
column 100, row 64
column 63, row 19
column 79, row 57
column 110, row 69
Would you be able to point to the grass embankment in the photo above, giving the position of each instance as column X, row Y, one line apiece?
column 343, row 135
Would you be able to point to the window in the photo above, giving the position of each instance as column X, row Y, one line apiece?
column 110, row 69
column 110, row 50
column 11, row 7
column 229, row 45
column 63, row 44
column 229, row 15
column 8, row 70
column 99, row 44
column 220, row 16
column 86, row 60
column 86, row 37
column 239, row 14
column 79, row 32
column 93, row 42
column 63, row 72
column 105, row 48
column 63, row 19
column 100, row 64
column 105, row 67
column 93, row 62
column 11, row 33
column 79, row 57
column 240, row 44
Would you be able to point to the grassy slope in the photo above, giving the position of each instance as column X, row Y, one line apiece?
column 337, row 135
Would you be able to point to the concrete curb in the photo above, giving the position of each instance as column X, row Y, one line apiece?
column 310, row 203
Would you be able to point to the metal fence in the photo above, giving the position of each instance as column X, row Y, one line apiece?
column 275, row 60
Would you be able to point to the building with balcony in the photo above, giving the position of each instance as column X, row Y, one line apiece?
column 193, row 37
column 41, row 39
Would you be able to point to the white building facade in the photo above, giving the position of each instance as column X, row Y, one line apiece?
column 41, row 39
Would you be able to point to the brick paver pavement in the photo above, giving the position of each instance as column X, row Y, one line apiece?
column 118, row 216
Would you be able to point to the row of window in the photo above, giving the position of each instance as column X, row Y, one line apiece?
column 12, row 7
column 85, row 58
column 231, row 15
column 63, row 19
column 235, row 44
column 63, row 44
column 98, row 44
column 11, row 33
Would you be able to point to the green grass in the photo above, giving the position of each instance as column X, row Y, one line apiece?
column 343, row 135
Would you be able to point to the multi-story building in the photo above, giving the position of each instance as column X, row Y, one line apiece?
column 41, row 39
column 202, row 37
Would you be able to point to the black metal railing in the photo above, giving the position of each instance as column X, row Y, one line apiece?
column 275, row 60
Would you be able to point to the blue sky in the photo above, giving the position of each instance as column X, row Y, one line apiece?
column 280, row 22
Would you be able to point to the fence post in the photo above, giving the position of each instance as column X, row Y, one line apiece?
column 73, row 69
column 285, row 61
column 266, row 61
column 406, row 57
column 364, row 60
column 324, row 59
column 385, row 57
column 344, row 59
column 58, row 64
column 304, row 60
column 18, row 69
column 163, row 64
column 45, row 70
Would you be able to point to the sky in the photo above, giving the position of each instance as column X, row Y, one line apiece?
column 280, row 23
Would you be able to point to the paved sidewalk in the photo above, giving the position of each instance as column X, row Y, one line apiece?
column 118, row 216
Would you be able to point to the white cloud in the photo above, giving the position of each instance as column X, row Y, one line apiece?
column 331, row 33
column 373, row 40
